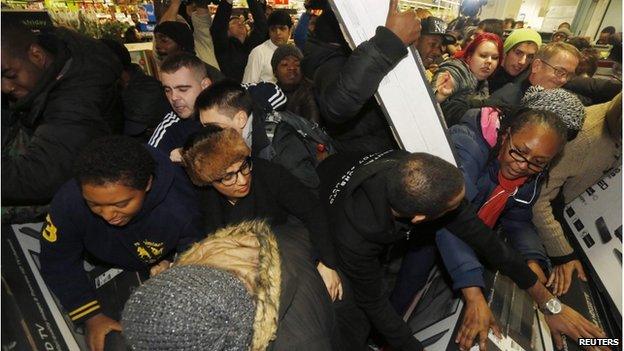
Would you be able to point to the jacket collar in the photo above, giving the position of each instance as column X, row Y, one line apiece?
column 527, row 193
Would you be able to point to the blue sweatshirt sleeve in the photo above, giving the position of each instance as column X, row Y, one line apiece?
column 188, row 198
column 524, row 237
column 62, row 265
column 460, row 261
column 301, row 32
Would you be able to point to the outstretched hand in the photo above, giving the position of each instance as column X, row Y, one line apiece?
column 571, row 323
column 444, row 86
column 97, row 328
column 332, row 281
column 561, row 277
column 477, row 321
column 405, row 25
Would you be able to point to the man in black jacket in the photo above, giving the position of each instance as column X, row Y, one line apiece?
column 62, row 86
column 232, row 43
column 379, row 199
column 346, row 82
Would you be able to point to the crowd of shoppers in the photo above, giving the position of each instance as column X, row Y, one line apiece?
column 241, row 253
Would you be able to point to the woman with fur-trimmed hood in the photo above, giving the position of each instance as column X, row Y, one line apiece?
column 237, row 187
column 242, row 288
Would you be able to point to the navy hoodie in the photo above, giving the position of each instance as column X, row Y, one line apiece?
column 168, row 221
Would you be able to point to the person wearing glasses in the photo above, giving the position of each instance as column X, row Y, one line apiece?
column 503, row 170
column 236, row 186
column 553, row 66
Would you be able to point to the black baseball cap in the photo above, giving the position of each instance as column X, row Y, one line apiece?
column 436, row 26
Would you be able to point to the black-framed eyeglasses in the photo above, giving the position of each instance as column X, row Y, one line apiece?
column 560, row 72
column 232, row 177
column 518, row 157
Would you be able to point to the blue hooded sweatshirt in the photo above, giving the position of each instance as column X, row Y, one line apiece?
column 481, row 178
column 168, row 221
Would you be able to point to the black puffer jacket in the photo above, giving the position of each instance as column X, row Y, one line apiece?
column 594, row 90
column 345, row 86
column 306, row 317
column 75, row 101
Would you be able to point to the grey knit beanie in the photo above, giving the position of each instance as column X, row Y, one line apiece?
column 190, row 308
column 558, row 101
column 282, row 52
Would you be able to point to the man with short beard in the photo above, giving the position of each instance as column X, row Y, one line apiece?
column 183, row 77
column 432, row 38
column 61, row 87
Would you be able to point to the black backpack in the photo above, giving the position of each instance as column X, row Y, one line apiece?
column 296, row 144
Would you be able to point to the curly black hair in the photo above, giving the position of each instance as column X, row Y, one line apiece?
column 115, row 159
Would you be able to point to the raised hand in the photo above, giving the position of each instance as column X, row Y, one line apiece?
column 405, row 25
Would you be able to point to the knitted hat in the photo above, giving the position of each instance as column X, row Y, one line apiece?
column 279, row 18
column 558, row 101
column 190, row 308
column 284, row 51
column 210, row 152
column 265, row 279
column 178, row 32
column 521, row 35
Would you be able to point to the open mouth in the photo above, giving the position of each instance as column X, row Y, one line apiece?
column 117, row 221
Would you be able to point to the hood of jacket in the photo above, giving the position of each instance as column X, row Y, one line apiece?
column 362, row 191
column 161, row 184
column 261, row 273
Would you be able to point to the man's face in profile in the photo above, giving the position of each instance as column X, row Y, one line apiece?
column 20, row 73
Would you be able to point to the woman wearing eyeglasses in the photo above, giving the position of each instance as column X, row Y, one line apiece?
column 237, row 188
column 502, row 176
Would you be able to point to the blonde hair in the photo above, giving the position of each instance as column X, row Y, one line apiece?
column 548, row 51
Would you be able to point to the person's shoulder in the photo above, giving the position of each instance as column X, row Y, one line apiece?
column 257, row 50
column 68, row 200
column 267, row 95
column 265, row 166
